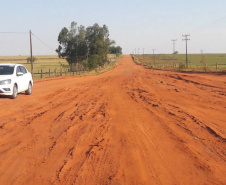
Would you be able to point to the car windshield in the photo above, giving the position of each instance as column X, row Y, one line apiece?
column 6, row 70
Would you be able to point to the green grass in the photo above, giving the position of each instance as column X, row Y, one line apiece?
column 196, row 62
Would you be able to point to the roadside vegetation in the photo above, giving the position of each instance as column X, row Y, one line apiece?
column 81, row 51
column 55, row 65
column 85, row 48
column 177, row 62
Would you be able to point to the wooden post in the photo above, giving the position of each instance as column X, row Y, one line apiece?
column 49, row 73
column 79, row 68
column 55, row 71
column 31, row 54
column 41, row 73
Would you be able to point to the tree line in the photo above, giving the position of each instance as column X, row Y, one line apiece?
column 86, row 46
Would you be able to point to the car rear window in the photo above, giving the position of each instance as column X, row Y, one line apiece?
column 6, row 70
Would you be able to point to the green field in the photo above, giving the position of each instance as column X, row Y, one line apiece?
column 56, row 65
column 196, row 62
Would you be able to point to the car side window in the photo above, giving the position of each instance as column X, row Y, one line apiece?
column 18, row 69
column 23, row 70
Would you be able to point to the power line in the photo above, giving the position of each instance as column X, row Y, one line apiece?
column 210, row 24
column 15, row 32
column 43, row 42
column 26, row 33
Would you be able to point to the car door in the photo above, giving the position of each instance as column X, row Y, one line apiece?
column 25, row 77
column 20, row 79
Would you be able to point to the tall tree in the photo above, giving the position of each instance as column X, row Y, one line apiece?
column 98, row 42
column 78, row 44
column 73, row 45
column 115, row 50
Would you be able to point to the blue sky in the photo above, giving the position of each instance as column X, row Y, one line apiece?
column 149, row 24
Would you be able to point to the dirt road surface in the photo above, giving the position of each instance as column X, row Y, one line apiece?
column 130, row 125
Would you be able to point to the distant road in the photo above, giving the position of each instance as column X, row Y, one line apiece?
column 130, row 125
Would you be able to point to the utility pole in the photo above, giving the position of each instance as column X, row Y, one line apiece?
column 154, row 55
column 186, row 40
column 31, row 54
column 143, row 53
column 202, row 56
column 173, row 40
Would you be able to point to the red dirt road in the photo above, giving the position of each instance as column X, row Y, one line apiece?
column 129, row 126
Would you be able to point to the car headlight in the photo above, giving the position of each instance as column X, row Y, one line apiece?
column 5, row 82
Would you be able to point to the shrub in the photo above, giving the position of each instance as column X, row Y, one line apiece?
column 181, row 66
column 93, row 61
column 29, row 59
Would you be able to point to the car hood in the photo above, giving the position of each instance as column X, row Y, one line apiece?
column 5, row 77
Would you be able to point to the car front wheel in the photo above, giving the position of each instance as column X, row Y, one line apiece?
column 15, row 92
column 29, row 90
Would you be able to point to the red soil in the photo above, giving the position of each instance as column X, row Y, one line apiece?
column 129, row 126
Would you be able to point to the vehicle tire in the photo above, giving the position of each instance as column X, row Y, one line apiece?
column 29, row 90
column 15, row 92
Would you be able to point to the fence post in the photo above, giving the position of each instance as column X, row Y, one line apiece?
column 55, row 72
column 41, row 73
column 49, row 73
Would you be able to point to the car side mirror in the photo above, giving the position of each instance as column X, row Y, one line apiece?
column 20, row 74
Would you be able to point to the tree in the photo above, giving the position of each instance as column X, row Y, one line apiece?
column 88, row 46
column 73, row 45
column 93, row 61
column 98, row 42
column 115, row 50
column 33, row 58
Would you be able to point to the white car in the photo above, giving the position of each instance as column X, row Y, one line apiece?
column 15, row 78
